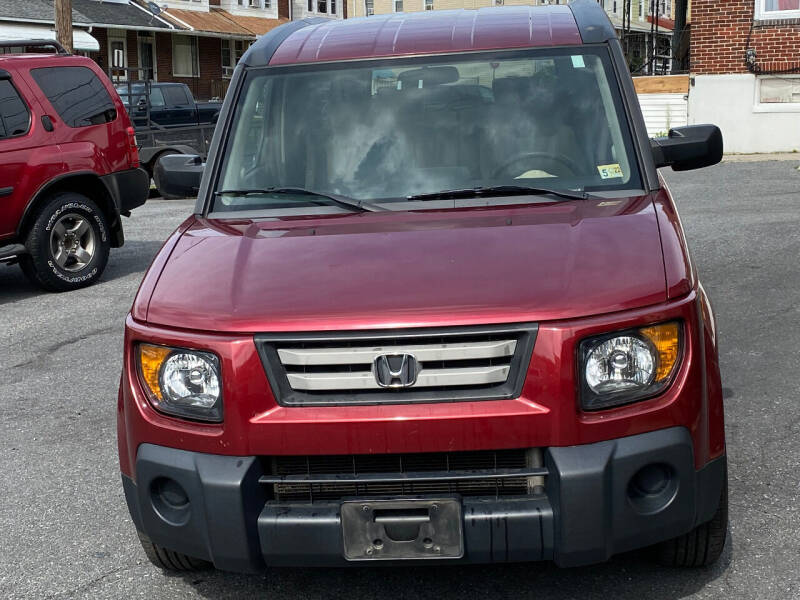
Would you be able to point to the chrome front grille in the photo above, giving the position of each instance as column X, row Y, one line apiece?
column 400, row 366
column 490, row 364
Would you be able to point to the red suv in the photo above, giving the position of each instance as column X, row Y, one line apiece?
column 434, row 304
column 70, row 167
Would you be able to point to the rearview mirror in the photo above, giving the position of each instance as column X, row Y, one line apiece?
column 686, row 148
column 178, row 175
column 428, row 77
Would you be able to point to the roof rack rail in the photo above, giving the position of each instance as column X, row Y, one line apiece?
column 39, row 43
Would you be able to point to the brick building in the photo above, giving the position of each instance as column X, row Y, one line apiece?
column 745, row 67
column 639, row 33
column 196, row 42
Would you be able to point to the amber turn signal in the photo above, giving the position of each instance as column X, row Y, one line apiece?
column 150, row 360
column 666, row 339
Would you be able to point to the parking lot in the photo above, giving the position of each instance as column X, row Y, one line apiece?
column 65, row 530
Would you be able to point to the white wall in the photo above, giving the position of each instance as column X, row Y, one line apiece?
column 662, row 112
column 729, row 101
column 201, row 5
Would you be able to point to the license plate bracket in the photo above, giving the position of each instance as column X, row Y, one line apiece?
column 402, row 529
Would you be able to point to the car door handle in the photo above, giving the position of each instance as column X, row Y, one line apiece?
column 6, row 191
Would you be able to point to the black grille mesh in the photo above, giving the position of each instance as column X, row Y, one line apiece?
column 482, row 462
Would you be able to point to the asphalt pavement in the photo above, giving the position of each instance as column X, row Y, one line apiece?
column 65, row 531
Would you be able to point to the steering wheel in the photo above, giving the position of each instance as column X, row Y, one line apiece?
column 559, row 161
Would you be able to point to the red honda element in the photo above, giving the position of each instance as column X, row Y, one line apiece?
column 434, row 304
column 68, row 167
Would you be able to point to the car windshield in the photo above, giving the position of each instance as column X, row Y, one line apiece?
column 396, row 129
column 135, row 91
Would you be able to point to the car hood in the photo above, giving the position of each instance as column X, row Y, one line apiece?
column 409, row 269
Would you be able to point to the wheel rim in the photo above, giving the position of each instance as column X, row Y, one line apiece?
column 72, row 242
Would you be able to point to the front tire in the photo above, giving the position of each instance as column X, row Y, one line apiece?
column 68, row 243
column 703, row 545
column 169, row 560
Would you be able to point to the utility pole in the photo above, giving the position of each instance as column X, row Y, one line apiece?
column 626, row 29
column 63, row 19
column 681, row 10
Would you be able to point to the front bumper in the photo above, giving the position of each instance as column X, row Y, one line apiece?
column 586, row 515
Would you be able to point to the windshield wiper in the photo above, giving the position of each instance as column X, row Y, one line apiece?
column 498, row 190
column 343, row 201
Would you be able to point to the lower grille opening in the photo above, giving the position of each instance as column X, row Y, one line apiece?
column 302, row 479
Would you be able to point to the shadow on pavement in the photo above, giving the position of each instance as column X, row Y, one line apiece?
column 630, row 576
column 135, row 256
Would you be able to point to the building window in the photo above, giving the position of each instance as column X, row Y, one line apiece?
column 428, row 4
column 321, row 7
column 148, row 63
column 398, row 5
column 185, row 59
column 614, row 7
column 779, row 90
column 117, row 54
column 777, row 9
column 641, row 10
column 232, row 52
column 370, row 4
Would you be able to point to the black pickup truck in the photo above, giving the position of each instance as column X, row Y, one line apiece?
column 167, row 120
column 166, row 105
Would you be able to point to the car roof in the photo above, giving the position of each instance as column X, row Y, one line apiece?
column 431, row 32
column 42, row 59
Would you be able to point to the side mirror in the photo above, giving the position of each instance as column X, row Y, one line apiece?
column 686, row 148
column 178, row 175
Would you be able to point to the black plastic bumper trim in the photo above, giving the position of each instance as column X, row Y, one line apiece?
column 12, row 251
column 585, row 517
column 129, row 188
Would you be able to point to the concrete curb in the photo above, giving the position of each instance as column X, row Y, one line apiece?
column 762, row 157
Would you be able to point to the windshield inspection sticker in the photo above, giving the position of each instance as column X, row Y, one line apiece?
column 609, row 171
column 577, row 62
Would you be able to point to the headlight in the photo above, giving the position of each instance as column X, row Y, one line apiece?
column 183, row 383
column 627, row 366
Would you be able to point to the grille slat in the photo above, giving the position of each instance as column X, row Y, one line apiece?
column 427, row 378
column 474, row 473
column 364, row 355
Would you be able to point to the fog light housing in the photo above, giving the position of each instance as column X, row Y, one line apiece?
column 652, row 488
column 170, row 501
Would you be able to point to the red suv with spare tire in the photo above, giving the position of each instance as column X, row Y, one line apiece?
column 69, row 166
column 452, row 317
